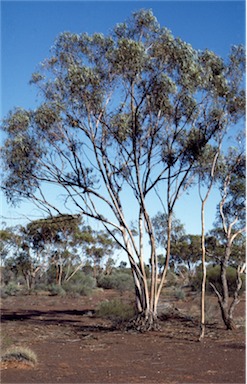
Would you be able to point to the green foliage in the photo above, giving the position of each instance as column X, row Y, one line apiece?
column 117, row 280
column 213, row 276
column 41, row 287
column 47, row 115
column 187, row 250
column 134, row 111
column 211, row 309
column 80, row 285
column 17, row 122
column 56, row 290
column 115, row 310
column 8, row 240
column 160, row 225
column 232, row 183
column 100, row 246
column 11, row 289
column 86, row 73
column 171, row 279
column 76, row 290
column 179, row 294
column 129, row 58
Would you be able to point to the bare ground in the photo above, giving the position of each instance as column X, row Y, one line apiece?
column 74, row 346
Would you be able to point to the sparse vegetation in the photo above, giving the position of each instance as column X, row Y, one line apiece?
column 64, row 334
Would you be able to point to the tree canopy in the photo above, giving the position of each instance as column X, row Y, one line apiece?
column 127, row 114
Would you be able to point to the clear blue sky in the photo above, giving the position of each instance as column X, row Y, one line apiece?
column 30, row 28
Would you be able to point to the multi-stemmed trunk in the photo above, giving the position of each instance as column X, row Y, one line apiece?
column 227, row 309
column 148, row 293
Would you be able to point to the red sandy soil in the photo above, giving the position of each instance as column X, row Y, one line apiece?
column 74, row 346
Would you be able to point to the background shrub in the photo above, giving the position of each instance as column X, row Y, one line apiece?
column 213, row 276
column 120, row 281
column 80, row 284
column 56, row 290
column 179, row 294
column 115, row 310
column 171, row 279
column 212, row 310
column 10, row 289
column 41, row 287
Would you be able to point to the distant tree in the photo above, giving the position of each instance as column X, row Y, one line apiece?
column 57, row 238
column 187, row 251
column 27, row 266
column 122, row 264
column 179, row 251
column 109, row 265
column 161, row 262
column 122, row 115
column 160, row 226
column 215, row 247
column 8, row 242
column 101, row 247
column 16, row 255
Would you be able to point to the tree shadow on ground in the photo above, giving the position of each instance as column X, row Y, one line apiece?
column 57, row 317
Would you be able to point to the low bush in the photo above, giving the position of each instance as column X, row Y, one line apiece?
column 211, row 309
column 76, row 290
column 179, row 294
column 3, row 294
column 41, row 287
column 56, row 290
column 80, row 285
column 115, row 310
column 10, row 289
column 118, row 280
column 213, row 276
column 171, row 279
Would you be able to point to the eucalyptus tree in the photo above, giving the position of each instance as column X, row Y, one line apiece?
column 9, row 242
column 16, row 255
column 160, row 226
column 187, row 252
column 123, row 119
column 215, row 247
column 160, row 221
column 231, row 216
column 101, row 247
column 207, row 167
column 57, row 240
